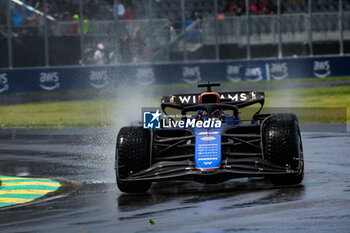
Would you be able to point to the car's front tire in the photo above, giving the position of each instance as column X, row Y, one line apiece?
column 132, row 156
column 283, row 146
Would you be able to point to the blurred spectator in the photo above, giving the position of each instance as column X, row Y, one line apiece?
column 124, row 48
column 99, row 56
column 172, row 29
column 271, row 8
column 234, row 8
column 192, row 33
column 128, row 15
column 196, row 10
column 126, row 9
column 137, row 13
column 118, row 10
column 188, row 20
column 253, row 9
column 30, row 17
column 113, row 57
column 199, row 20
column 51, row 7
column 88, row 56
column 138, row 49
column 263, row 8
column 145, row 53
column 128, row 3
column 86, row 24
column 200, row 15
column 60, row 10
column 72, row 7
column 240, row 7
column 33, row 3
column 135, row 46
column 17, row 14
column 73, row 25
column 230, row 8
column 91, row 10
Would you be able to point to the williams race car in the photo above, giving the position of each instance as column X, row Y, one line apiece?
column 268, row 145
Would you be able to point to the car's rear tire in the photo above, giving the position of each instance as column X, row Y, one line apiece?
column 132, row 156
column 283, row 146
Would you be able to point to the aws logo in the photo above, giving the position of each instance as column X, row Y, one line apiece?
column 278, row 71
column 322, row 69
column 145, row 76
column 4, row 86
column 191, row 74
column 98, row 79
column 233, row 73
column 254, row 74
column 49, row 81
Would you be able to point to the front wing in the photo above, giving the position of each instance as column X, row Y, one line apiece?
column 230, row 168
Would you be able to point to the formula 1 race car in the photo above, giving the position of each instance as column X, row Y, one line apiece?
column 210, row 143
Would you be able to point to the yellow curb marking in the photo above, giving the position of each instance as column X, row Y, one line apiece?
column 31, row 183
column 15, row 200
column 28, row 191
column 13, row 189
column 19, row 178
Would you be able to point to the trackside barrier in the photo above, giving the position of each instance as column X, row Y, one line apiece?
column 99, row 77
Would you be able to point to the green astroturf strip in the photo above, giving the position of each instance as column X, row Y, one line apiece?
column 101, row 113
column 26, row 187
column 3, row 204
column 29, row 180
column 24, row 196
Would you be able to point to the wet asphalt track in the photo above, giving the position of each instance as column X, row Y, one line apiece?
column 320, row 204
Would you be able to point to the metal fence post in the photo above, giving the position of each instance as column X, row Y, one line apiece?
column 341, row 33
column 217, row 55
column 9, row 34
column 311, row 52
column 280, row 52
column 238, row 30
column 150, row 27
column 46, row 38
column 81, row 26
column 184, row 29
column 116, row 33
column 247, row 26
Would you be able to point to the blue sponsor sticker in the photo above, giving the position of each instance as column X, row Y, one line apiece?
column 208, row 150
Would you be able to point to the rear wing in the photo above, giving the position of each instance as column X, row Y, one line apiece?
column 240, row 99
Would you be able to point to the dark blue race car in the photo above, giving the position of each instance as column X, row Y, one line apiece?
column 210, row 143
